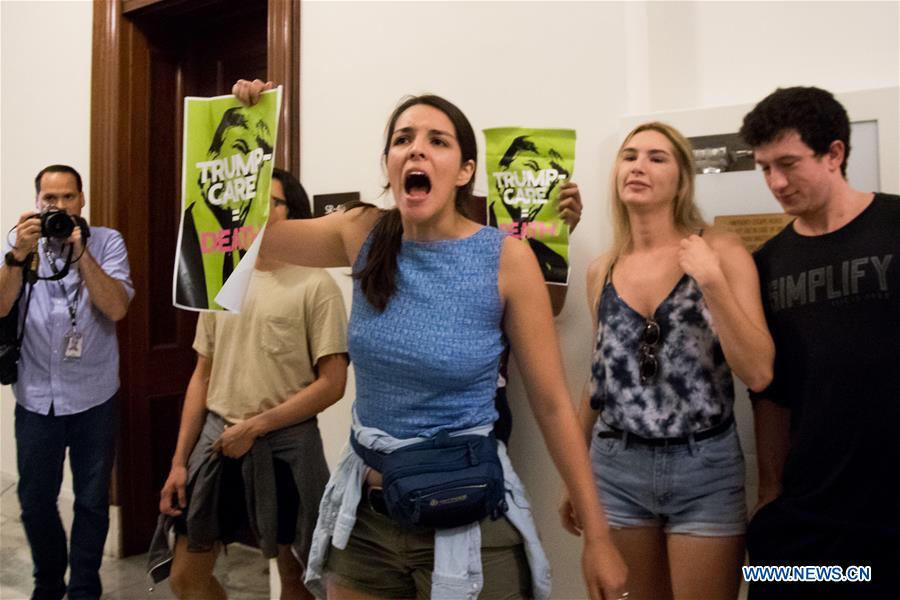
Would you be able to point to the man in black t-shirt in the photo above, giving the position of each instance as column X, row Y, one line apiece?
column 828, row 428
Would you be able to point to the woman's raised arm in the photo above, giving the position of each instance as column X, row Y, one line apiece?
column 330, row 241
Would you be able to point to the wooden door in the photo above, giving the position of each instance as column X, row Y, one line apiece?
column 149, row 55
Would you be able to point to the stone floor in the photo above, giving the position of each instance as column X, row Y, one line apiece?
column 242, row 571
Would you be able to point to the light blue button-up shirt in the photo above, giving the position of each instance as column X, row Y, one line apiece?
column 46, row 377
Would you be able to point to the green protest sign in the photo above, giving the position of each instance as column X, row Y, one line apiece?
column 228, row 153
column 525, row 170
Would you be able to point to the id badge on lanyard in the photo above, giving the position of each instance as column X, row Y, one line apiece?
column 72, row 340
column 72, row 345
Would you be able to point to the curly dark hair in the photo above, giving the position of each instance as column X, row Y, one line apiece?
column 810, row 111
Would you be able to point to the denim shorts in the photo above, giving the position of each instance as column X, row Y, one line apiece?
column 693, row 488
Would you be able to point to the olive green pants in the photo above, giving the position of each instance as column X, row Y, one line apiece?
column 385, row 560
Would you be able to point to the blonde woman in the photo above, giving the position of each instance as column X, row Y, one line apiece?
column 676, row 309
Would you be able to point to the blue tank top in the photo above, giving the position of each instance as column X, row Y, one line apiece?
column 692, row 389
column 429, row 361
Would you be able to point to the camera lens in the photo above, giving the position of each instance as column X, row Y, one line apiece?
column 56, row 224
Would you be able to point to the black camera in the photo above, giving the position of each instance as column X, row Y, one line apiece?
column 56, row 223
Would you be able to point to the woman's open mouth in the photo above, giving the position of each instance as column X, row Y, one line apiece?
column 417, row 185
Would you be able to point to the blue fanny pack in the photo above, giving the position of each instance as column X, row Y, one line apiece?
column 443, row 482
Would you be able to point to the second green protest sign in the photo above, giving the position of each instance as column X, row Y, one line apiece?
column 525, row 170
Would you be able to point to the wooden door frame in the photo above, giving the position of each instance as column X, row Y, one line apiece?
column 112, row 74
column 120, row 96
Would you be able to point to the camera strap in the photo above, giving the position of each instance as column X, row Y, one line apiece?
column 20, row 333
column 58, row 275
column 24, row 312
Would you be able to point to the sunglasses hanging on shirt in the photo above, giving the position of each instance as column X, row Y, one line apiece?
column 648, row 364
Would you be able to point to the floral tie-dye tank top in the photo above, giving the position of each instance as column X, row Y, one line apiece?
column 692, row 388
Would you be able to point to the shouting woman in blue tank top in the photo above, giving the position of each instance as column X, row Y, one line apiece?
column 676, row 308
column 434, row 295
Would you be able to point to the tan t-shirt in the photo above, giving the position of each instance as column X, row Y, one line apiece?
column 291, row 318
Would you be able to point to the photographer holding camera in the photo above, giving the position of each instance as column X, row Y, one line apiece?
column 68, row 376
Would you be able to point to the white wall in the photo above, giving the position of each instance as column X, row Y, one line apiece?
column 579, row 65
column 721, row 53
column 45, row 50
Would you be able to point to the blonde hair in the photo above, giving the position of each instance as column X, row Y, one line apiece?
column 684, row 211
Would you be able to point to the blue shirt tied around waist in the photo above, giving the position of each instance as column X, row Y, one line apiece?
column 457, row 570
column 429, row 362
column 692, row 389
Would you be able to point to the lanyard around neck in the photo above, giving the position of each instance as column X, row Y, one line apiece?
column 73, row 305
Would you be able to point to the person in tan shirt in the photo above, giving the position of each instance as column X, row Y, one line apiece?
column 261, row 378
